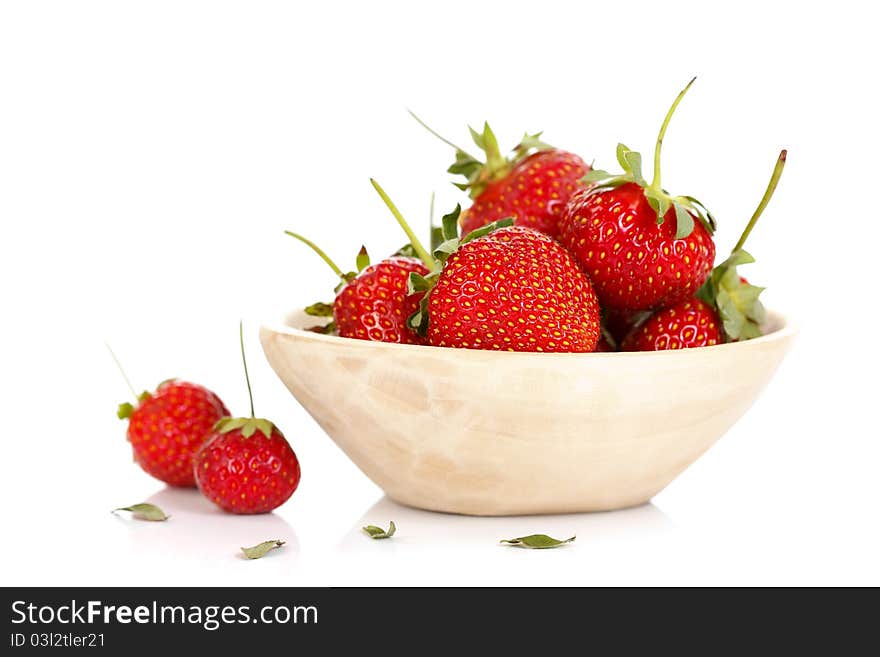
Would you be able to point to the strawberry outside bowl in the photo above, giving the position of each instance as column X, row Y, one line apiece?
column 502, row 433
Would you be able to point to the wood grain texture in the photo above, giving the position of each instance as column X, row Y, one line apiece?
column 488, row 433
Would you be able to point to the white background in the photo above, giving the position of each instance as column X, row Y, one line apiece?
column 151, row 153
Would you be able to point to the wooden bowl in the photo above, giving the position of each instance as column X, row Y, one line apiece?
column 494, row 433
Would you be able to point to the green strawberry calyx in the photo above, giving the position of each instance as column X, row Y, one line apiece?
column 323, row 308
column 125, row 410
column 319, row 309
column 685, row 207
column 450, row 243
column 247, row 425
column 480, row 173
column 413, row 249
column 734, row 298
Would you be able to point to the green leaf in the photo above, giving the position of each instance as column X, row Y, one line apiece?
column 465, row 165
column 496, row 165
column 659, row 202
column 702, row 212
column 324, row 329
column 684, row 222
column 265, row 426
column 436, row 239
column 124, row 411
column 227, row 424
column 707, row 292
column 417, row 283
column 472, row 169
column 377, row 532
column 145, row 511
column 253, row 425
column 446, row 249
column 732, row 319
column 347, row 278
column 631, row 162
column 418, row 321
column 739, row 308
column 537, row 541
column 415, row 321
column 363, row 259
column 621, row 160
column 320, row 309
column 530, row 143
column 449, row 224
column 261, row 549
column 634, row 160
column 495, row 161
column 247, row 425
column 249, row 429
column 488, row 228
column 596, row 175
column 477, row 139
column 756, row 315
column 736, row 259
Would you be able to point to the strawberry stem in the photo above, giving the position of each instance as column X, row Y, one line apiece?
column 438, row 135
column 247, row 378
column 122, row 371
column 420, row 250
column 496, row 164
column 321, row 254
column 768, row 194
column 655, row 183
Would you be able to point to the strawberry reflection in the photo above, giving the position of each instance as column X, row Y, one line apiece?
column 199, row 532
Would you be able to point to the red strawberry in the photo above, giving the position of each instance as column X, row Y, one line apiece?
column 534, row 192
column 641, row 247
column 691, row 323
column 532, row 185
column 513, row 289
column 727, row 309
column 374, row 304
column 247, row 466
column 620, row 323
column 634, row 263
column 168, row 427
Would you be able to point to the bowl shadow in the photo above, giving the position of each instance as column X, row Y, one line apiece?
column 416, row 527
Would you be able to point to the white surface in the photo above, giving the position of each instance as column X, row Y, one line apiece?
column 152, row 153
